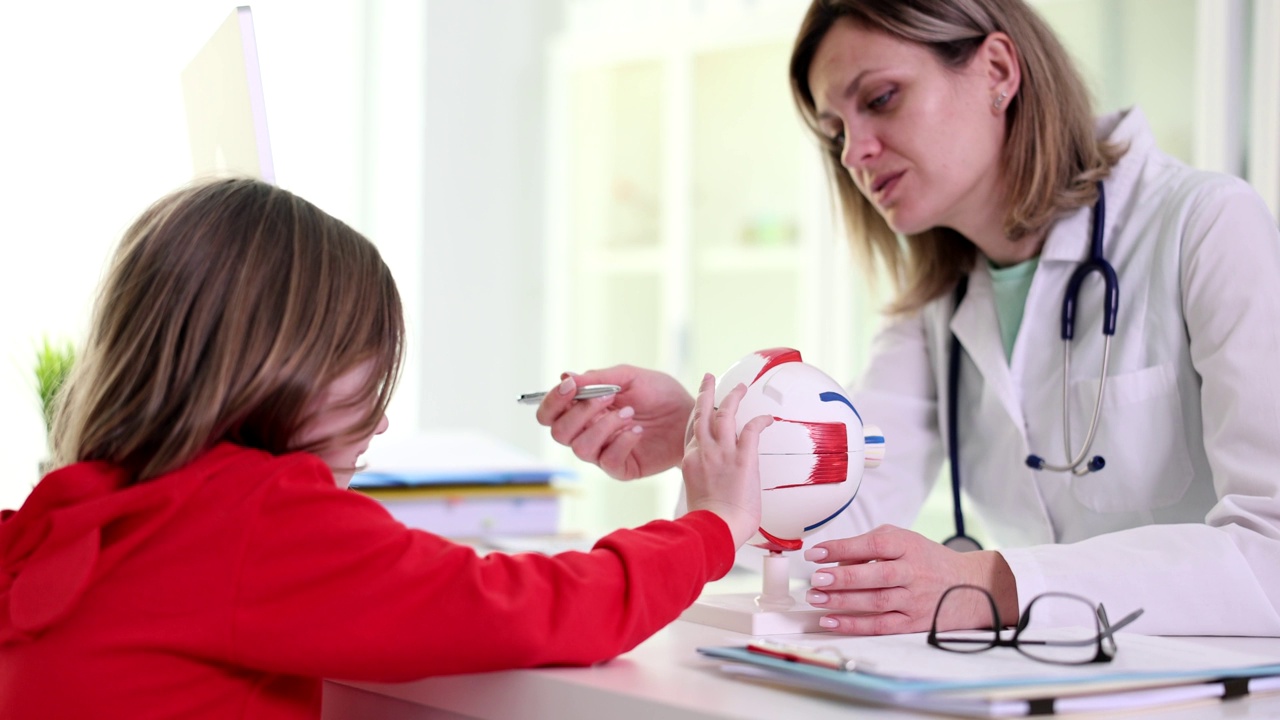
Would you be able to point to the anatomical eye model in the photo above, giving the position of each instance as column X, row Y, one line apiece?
column 811, row 463
column 813, row 455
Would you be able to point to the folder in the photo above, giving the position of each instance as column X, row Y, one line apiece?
column 451, row 457
column 904, row 671
column 475, row 512
column 463, row 484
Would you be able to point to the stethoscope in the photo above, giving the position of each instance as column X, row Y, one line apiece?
column 1075, row 462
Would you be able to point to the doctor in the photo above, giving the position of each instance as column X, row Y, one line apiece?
column 968, row 165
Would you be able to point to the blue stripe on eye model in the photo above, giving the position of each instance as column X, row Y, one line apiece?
column 837, row 397
column 832, row 516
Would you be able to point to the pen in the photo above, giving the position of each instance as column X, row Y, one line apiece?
column 803, row 655
column 584, row 393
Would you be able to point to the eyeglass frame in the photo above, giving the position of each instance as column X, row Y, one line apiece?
column 1105, row 630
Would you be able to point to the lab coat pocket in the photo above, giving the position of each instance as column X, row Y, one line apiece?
column 1141, row 437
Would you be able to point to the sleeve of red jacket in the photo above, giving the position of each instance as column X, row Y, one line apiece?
column 332, row 586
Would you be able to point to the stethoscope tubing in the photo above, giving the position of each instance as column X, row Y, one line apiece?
column 1077, row 465
column 953, row 380
column 1097, row 262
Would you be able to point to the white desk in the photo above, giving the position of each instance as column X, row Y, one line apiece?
column 665, row 678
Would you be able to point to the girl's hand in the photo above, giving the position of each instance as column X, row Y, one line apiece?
column 889, row 580
column 721, row 467
column 635, row 433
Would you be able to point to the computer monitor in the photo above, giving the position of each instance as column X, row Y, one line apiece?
column 226, row 115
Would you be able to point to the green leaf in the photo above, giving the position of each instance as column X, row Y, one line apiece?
column 53, row 364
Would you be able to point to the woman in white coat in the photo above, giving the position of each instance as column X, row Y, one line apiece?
column 964, row 152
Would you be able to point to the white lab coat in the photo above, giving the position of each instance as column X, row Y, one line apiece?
column 1184, row 520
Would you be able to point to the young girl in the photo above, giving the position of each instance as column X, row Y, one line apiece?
column 197, row 555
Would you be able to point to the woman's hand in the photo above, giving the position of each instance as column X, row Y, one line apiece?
column 889, row 581
column 722, row 467
column 635, row 433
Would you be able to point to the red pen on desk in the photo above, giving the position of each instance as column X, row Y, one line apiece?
column 800, row 654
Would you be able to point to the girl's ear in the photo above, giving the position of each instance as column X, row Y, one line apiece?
column 998, row 60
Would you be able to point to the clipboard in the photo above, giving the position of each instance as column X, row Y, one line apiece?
column 994, row 707
column 902, row 671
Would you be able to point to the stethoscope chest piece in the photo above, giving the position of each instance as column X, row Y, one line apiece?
column 961, row 543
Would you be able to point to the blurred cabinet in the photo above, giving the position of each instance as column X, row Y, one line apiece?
column 690, row 222
column 1138, row 52
column 1206, row 73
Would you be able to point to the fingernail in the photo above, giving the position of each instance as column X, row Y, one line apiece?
column 828, row 622
column 626, row 412
column 637, row 429
column 821, row 579
column 816, row 554
column 815, row 597
column 566, row 387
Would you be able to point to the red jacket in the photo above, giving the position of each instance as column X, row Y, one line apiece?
column 228, row 588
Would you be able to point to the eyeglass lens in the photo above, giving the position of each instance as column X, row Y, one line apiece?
column 966, row 597
column 1071, row 638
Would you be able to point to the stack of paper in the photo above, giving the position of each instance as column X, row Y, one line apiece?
column 450, row 458
column 905, row 671
column 462, row 485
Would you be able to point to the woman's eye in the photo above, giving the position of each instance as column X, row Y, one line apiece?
column 881, row 100
column 837, row 141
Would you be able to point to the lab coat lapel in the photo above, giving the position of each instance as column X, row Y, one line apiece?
column 977, row 328
column 1000, row 483
column 1039, row 344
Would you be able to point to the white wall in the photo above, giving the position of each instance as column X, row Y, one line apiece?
column 484, row 200
column 92, row 130
column 1264, row 120
column 421, row 123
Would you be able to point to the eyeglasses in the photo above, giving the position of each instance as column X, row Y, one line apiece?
column 1081, row 633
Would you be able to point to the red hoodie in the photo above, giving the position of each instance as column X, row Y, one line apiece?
column 229, row 588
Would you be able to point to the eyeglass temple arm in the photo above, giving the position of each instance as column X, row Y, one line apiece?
column 1106, row 633
column 1108, row 629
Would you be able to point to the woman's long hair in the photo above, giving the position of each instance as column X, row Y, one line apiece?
column 1051, row 159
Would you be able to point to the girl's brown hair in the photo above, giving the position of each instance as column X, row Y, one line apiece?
column 1051, row 159
column 228, row 308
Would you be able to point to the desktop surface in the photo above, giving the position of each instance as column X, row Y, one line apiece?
column 665, row 677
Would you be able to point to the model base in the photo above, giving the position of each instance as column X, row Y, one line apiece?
column 740, row 612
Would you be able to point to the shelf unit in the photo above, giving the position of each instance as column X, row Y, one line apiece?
column 689, row 222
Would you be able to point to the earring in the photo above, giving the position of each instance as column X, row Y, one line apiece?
column 1000, row 100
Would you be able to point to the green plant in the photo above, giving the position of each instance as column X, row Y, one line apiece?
column 53, row 364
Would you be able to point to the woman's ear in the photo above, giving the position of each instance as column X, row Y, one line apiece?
column 998, row 61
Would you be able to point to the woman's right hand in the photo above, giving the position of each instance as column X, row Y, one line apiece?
column 635, row 433
column 722, row 466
